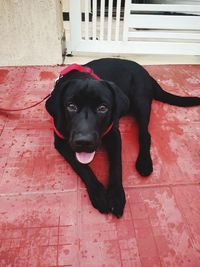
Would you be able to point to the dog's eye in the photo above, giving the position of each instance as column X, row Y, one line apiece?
column 72, row 107
column 102, row 109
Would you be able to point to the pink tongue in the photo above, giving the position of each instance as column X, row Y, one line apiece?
column 84, row 157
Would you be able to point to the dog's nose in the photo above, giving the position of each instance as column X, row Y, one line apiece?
column 84, row 141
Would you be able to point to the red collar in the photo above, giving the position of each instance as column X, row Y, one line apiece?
column 79, row 68
column 62, row 137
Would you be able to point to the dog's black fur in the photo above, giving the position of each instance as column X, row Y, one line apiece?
column 83, row 108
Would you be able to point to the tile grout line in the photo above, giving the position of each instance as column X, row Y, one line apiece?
column 153, row 234
column 57, row 254
column 184, row 217
column 84, row 189
column 132, row 221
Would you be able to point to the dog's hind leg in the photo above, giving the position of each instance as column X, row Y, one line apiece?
column 142, row 109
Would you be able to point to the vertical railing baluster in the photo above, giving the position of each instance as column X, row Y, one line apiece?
column 86, row 20
column 75, row 23
column 118, row 12
column 94, row 19
column 110, row 11
column 126, row 19
column 102, row 19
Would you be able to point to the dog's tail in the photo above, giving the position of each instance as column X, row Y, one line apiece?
column 181, row 101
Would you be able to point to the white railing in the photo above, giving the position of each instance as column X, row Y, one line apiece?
column 143, row 28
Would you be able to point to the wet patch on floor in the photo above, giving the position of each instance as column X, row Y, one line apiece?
column 46, row 218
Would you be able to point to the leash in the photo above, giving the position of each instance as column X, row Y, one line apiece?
column 4, row 110
column 64, row 72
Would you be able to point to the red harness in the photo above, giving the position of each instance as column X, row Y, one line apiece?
column 79, row 68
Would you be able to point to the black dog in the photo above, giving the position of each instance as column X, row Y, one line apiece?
column 86, row 111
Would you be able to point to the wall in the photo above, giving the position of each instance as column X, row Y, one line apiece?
column 31, row 32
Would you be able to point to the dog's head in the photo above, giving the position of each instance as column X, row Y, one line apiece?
column 83, row 109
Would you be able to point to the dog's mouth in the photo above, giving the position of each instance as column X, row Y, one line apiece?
column 85, row 157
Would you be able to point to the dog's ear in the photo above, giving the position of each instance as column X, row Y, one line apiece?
column 54, row 106
column 121, row 101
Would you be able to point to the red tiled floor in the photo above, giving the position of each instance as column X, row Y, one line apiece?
column 46, row 218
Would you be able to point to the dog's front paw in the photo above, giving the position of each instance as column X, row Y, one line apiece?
column 98, row 197
column 116, row 200
column 144, row 165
